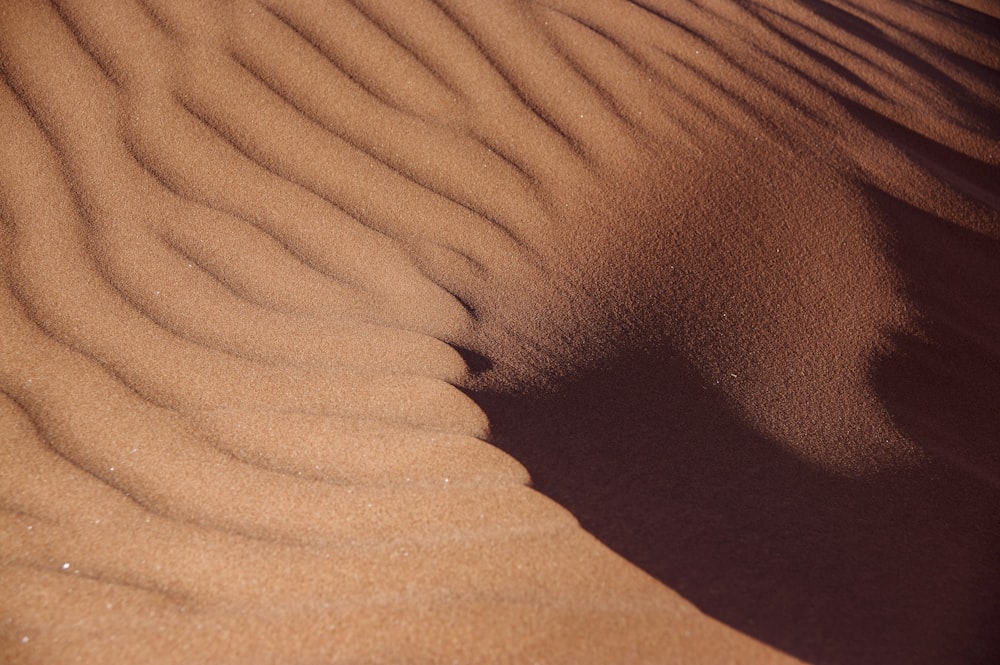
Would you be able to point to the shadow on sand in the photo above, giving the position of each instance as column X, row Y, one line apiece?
column 895, row 569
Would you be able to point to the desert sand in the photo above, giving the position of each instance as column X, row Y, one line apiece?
column 467, row 331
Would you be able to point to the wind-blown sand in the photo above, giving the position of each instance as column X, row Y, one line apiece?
column 467, row 331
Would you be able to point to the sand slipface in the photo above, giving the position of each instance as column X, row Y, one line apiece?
column 658, row 332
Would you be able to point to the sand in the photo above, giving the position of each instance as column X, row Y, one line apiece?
column 481, row 332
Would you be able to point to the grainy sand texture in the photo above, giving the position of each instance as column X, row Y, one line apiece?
column 500, row 331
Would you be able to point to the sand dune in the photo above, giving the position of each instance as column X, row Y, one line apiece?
column 461, row 331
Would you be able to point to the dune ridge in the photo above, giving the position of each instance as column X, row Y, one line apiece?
column 493, row 332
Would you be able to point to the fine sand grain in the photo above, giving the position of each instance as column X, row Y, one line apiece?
column 569, row 331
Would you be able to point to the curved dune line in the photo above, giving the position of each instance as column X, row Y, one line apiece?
column 225, row 407
column 330, row 330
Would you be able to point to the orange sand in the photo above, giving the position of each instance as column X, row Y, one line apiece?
column 465, row 331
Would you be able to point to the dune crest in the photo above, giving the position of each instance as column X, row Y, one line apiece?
column 499, row 331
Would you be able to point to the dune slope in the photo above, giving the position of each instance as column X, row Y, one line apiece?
column 499, row 332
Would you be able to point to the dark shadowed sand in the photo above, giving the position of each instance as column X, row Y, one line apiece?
column 475, row 331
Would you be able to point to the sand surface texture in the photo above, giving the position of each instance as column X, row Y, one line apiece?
column 492, row 331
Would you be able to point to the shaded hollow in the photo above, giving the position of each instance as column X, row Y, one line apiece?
column 653, row 462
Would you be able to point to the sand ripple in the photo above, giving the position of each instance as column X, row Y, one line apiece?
column 272, row 270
